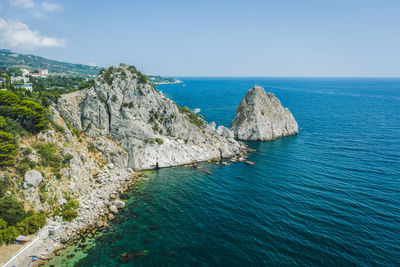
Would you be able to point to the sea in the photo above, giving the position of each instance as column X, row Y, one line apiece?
column 329, row 196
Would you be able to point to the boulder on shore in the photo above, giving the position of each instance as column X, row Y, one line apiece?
column 261, row 117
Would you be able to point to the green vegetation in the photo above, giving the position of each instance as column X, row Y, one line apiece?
column 14, row 221
column 30, row 115
column 25, row 165
column 59, row 128
column 67, row 159
column 69, row 211
column 128, row 105
column 13, row 60
column 159, row 79
column 7, row 144
column 191, row 116
column 149, row 141
column 48, row 155
column 5, row 183
column 142, row 79
column 91, row 147
column 43, row 192
column 106, row 75
column 153, row 141
column 76, row 132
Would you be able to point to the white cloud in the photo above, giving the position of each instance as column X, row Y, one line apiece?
column 22, row 3
column 51, row 7
column 18, row 34
column 38, row 15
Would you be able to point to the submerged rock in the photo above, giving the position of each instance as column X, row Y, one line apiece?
column 260, row 116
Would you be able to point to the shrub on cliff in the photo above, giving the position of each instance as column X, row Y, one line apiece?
column 7, row 148
column 49, row 155
column 5, row 183
column 30, row 115
column 191, row 116
column 69, row 211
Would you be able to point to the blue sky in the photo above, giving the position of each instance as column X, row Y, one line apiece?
column 212, row 38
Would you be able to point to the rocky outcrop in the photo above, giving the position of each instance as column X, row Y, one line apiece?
column 135, row 126
column 260, row 116
column 32, row 179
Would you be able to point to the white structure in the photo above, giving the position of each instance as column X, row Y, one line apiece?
column 19, row 78
column 35, row 74
column 44, row 72
column 27, row 86
column 24, row 72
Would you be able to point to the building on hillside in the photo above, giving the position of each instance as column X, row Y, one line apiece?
column 19, row 79
column 44, row 72
column 27, row 86
column 25, row 72
column 34, row 74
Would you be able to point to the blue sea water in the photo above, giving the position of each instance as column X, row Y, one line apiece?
column 328, row 196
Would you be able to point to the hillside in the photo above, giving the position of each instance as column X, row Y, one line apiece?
column 15, row 60
column 162, row 80
column 32, row 62
column 66, row 163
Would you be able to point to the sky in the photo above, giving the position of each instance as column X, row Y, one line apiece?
column 317, row 38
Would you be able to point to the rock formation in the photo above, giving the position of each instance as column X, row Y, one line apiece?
column 260, row 116
column 135, row 126
column 32, row 179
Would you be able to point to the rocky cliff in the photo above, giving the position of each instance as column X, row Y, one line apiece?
column 260, row 116
column 135, row 126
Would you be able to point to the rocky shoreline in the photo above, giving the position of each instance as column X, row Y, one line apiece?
column 120, row 126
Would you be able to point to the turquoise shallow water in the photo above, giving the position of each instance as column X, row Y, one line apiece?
column 329, row 196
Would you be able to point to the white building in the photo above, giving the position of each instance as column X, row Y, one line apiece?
column 44, row 72
column 19, row 78
column 24, row 72
column 27, row 86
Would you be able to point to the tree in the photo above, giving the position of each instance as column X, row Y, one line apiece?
column 30, row 115
column 3, row 122
column 7, row 148
column 11, row 210
column 3, row 224
column 8, row 98
column 31, row 224
column 9, row 234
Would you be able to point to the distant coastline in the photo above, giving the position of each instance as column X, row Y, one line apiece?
column 168, row 82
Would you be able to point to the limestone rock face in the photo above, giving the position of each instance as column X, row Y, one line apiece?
column 136, row 126
column 260, row 116
column 32, row 179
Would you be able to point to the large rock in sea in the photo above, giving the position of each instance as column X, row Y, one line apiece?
column 260, row 116
column 136, row 126
column 32, row 179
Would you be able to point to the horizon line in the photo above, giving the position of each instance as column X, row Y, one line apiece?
column 323, row 77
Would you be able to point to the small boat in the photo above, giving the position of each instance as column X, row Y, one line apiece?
column 183, row 85
column 196, row 110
